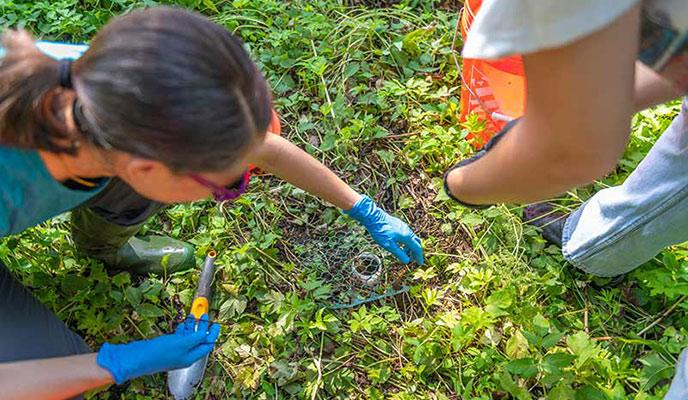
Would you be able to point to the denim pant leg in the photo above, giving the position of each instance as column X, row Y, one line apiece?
column 622, row 227
column 679, row 386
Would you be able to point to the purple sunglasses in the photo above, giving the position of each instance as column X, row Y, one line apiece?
column 221, row 193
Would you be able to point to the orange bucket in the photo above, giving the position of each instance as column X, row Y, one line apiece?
column 495, row 90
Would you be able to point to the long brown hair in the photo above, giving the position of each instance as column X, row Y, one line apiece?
column 161, row 83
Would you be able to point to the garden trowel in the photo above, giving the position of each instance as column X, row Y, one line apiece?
column 182, row 383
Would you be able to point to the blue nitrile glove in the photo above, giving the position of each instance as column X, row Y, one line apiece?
column 388, row 231
column 144, row 357
column 475, row 157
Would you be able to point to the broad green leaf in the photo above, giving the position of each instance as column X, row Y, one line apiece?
column 581, row 345
column 149, row 311
column 517, row 346
column 73, row 284
column 562, row 391
column 655, row 369
column 210, row 5
column 552, row 339
column 283, row 371
column 121, row 279
column 133, row 295
column 524, row 367
column 472, row 219
column 508, row 385
column 329, row 142
column 500, row 301
column 559, row 360
column 541, row 324
column 588, row 392
column 232, row 308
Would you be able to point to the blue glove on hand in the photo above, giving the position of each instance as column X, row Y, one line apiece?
column 144, row 357
column 388, row 231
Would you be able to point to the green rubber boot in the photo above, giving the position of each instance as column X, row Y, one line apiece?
column 116, row 246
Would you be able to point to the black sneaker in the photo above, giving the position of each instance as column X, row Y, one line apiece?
column 545, row 217
column 550, row 222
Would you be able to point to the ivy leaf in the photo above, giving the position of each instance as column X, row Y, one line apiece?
column 562, row 391
column 185, row 296
column 133, row 295
column 558, row 360
column 328, row 142
column 508, row 385
column 121, row 279
column 500, row 301
column 552, row 339
column 584, row 349
column 232, row 308
column 72, row 284
column 472, row 219
column 517, row 346
column 283, row 371
column 524, row 367
column 149, row 311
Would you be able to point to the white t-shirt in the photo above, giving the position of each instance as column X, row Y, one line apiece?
column 505, row 27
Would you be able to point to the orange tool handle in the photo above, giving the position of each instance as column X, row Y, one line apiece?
column 199, row 307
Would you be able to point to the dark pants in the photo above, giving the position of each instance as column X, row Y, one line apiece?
column 28, row 330
column 121, row 205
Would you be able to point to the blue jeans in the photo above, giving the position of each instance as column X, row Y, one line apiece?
column 622, row 227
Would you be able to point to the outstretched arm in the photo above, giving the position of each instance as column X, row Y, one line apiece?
column 52, row 378
column 651, row 89
column 66, row 377
column 579, row 103
column 279, row 156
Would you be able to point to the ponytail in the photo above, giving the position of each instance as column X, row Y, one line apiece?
column 27, row 77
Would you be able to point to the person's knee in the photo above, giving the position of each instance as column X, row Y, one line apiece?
column 607, row 259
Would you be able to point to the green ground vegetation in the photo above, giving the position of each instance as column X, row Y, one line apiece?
column 371, row 90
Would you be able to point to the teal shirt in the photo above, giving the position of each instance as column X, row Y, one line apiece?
column 29, row 195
